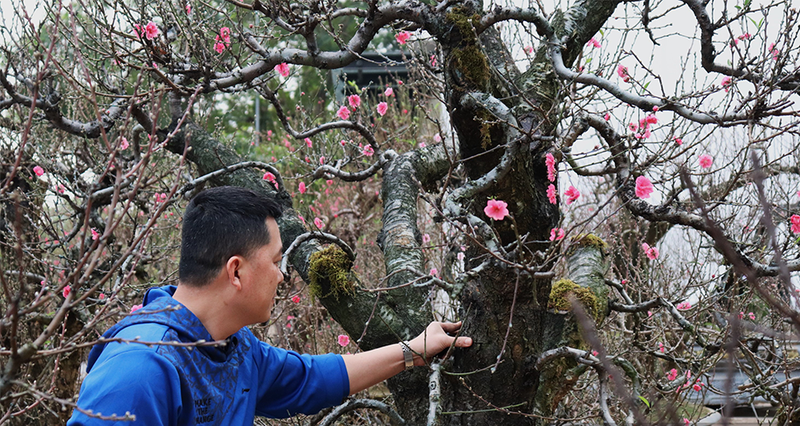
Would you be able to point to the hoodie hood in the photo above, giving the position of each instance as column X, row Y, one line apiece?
column 160, row 308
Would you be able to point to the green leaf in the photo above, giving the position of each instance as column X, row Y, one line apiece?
column 645, row 86
column 737, row 7
column 747, row 3
column 646, row 402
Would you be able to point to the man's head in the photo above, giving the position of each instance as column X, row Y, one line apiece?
column 220, row 223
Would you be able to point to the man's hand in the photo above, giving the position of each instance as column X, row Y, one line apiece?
column 437, row 337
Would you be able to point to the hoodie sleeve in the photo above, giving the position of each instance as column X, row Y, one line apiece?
column 291, row 383
column 132, row 380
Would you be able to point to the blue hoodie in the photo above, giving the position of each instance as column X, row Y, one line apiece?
column 174, row 385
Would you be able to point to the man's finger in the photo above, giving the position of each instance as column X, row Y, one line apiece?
column 451, row 326
column 464, row 342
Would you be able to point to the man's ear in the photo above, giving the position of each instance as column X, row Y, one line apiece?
column 233, row 267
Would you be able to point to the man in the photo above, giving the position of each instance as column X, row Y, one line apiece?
column 228, row 274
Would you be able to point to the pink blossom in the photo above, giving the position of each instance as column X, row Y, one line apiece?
column 123, row 144
column 135, row 308
column 225, row 33
column 426, row 238
column 572, row 194
column 607, row 117
column 726, row 83
column 308, row 142
column 752, row 316
column 460, row 255
column 433, row 61
column 550, row 162
column 402, row 37
column 38, row 170
column 685, row 306
column 661, row 347
column 551, row 194
column 622, row 71
column 698, row 386
column 302, row 187
column 745, row 36
column 672, row 375
column 651, row 119
column 422, row 145
column 437, row 138
column 66, row 290
column 188, row 8
column 686, row 421
column 556, row 234
column 269, row 177
column 61, row 189
column 102, row 296
column 382, row 107
column 434, row 272
column 354, row 101
column 528, row 49
column 388, row 92
column 329, row 182
column 643, row 187
column 593, row 42
column 343, row 113
column 633, row 127
column 678, row 141
column 296, row 298
column 650, row 252
column 95, row 234
column 151, row 30
column 367, row 150
column 344, row 340
column 705, row 161
column 795, row 224
column 219, row 47
column 318, row 223
column 496, row 209
column 283, row 69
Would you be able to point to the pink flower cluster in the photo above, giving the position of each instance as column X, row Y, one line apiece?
column 643, row 187
column 795, row 223
column 223, row 40
column 382, row 108
column 402, row 37
column 150, row 31
column 343, row 113
column 593, row 42
column 705, row 161
column 282, row 69
column 644, row 126
column 572, row 194
column 650, row 252
column 622, row 71
column 550, row 162
column 269, row 177
column 750, row 315
column 496, row 209
column 38, row 170
column 672, row 375
column 556, row 234
column 726, row 83
column 551, row 194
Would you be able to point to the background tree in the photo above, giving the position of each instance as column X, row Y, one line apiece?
column 542, row 176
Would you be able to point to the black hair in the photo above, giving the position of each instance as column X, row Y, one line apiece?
column 220, row 223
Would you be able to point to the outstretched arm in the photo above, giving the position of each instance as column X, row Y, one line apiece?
column 368, row 368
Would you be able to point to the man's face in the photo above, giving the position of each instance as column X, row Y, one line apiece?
column 263, row 274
